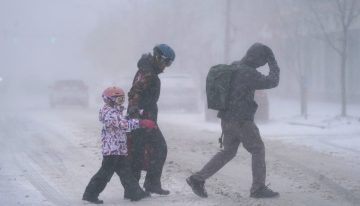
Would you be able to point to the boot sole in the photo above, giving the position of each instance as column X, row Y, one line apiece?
column 261, row 197
column 157, row 193
column 188, row 181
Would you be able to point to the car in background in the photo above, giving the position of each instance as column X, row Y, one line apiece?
column 69, row 92
column 179, row 92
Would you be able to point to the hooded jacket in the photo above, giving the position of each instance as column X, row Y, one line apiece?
column 145, row 90
column 115, row 127
column 246, row 79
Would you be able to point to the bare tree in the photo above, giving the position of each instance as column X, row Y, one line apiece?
column 291, row 25
column 345, row 12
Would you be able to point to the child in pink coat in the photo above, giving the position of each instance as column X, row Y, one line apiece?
column 114, row 148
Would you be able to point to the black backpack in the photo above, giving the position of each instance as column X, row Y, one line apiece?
column 218, row 86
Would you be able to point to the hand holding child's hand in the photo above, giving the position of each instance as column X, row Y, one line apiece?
column 147, row 123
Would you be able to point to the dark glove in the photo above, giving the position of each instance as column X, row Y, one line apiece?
column 147, row 123
column 133, row 112
column 270, row 55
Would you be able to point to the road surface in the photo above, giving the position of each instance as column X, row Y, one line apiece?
column 48, row 156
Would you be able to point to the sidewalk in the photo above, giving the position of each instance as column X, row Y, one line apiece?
column 323, row 130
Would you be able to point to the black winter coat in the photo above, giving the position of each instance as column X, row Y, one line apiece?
column 246, row 79
column 145, row 90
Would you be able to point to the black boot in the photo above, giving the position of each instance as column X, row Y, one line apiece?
column 127, row 195
column 94, row 200
column 141, row 195
column 264, row 192
column 156, row 189
column 197, row 186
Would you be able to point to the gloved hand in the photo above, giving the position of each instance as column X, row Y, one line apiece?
column 133, row 112
column 147, row 123
column 269, row 53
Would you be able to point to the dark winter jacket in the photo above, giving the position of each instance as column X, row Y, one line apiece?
column 246, row 79
column 145, row 90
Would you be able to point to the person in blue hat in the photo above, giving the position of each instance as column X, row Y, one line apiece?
column 143, row 97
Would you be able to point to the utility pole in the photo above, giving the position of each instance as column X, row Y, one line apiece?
column 227, row 38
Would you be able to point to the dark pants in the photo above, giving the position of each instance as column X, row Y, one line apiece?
column 156, row 141
column 235, row 133
column 111, row 164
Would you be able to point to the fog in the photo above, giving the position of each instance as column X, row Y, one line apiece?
column 57, row 56
column 100, row 42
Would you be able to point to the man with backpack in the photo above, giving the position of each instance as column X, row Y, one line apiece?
column 237, row 111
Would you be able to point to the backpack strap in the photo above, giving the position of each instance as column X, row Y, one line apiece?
column 221, row 139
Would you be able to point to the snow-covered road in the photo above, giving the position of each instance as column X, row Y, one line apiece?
column 48, row 156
